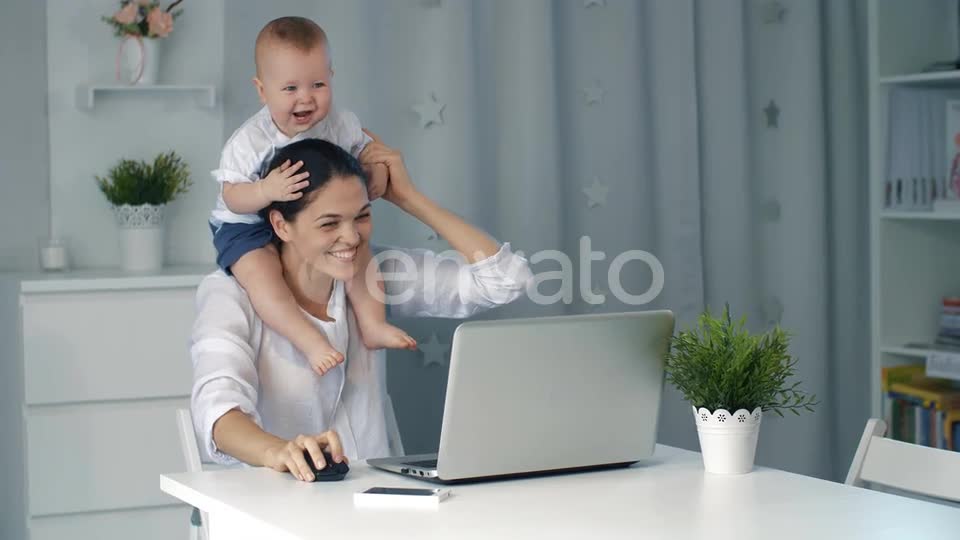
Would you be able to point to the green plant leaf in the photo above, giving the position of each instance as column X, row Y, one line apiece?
column 137, row 182
column 719, row 364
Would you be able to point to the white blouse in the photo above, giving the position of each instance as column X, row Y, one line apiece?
column 238, row 362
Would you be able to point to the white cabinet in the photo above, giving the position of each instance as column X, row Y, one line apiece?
column 92, row 367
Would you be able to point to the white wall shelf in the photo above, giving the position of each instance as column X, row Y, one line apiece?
column 909, row 352
column 937, row 78
column 88, row 94
column 920, row 215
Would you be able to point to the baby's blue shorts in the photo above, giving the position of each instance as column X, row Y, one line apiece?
column 233, row 240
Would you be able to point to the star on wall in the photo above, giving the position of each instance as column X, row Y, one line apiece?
column 596, row 193
column 593, row 94
column 435, row 242
column 430, row 112
column 772, row 112
column 774, row 12
column 770, row 211
column 592, row 3
column 434, row 352
column 773, row 311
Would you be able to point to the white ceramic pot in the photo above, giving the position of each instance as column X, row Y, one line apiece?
column 138, row 60
column 728, row 441
column 141, row 236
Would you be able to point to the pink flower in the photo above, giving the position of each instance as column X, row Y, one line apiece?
column 160, row 23
column 127, row 14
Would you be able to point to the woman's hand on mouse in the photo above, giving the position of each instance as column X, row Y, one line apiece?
column 288, row 457
column 399, row 186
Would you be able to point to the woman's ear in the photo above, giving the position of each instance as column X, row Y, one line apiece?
column 280, row 226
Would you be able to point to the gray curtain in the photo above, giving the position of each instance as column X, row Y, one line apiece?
column 662, row 103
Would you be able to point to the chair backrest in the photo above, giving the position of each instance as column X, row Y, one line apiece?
column 191, row 456
column 925, row 471
column 188, row 441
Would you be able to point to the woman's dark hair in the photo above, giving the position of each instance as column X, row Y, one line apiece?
column 323, row 160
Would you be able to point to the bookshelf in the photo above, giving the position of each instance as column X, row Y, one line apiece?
column 915, row 254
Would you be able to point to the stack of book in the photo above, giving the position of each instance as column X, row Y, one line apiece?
column 919, row 409
column 949, row 334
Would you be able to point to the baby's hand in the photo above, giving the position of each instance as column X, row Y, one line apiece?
column 282, row 184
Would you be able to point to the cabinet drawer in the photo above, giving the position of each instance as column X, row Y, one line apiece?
column 107, row 456
column 96, row 346
column 166, row 523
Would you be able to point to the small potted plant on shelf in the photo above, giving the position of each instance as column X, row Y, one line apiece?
column 139, row 193
column 731, row 377
column 140, row 24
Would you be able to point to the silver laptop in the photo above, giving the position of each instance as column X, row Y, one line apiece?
column 531, row 396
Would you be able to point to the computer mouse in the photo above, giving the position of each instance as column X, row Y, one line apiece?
column 332, row 472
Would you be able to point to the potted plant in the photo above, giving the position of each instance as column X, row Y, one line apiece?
column 139, row 192
column 140, row 24
column 731, row 377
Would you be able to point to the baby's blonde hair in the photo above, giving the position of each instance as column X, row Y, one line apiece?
column 298, row 32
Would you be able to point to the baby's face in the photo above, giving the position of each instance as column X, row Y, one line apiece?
column 295, row 87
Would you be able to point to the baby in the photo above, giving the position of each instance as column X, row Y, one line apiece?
column 293, row 79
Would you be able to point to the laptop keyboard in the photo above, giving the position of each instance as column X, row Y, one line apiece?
column 425, row 464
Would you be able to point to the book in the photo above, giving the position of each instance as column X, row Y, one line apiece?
column 901, row 374
column 936, row 393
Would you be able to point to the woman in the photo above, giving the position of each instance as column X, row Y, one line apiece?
column 255, row 398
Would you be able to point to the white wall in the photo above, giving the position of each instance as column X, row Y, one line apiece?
column 80, row 50
column 24, row 186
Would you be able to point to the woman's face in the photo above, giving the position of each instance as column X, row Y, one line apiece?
column 331, row 227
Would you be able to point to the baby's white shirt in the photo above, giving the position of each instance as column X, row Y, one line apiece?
column 259, row 137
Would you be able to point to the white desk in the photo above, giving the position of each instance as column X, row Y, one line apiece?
column 668, row 496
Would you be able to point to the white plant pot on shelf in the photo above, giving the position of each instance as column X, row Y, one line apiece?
column 141, row 236
column 728, row 441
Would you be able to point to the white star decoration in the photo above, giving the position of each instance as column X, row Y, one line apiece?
column 772, row 111
column 434, row 352
column 592, row 3
column 430, row 112
column 770, row 211
column 773, row 311
column 774, row 12
column 593, row 94
column 434, row 240
column 596, row 193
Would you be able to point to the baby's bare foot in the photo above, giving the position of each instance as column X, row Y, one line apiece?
column 387, row 336
column 323, row 358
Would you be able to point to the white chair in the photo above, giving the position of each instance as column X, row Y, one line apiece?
column 191, row 456
column 930, row 473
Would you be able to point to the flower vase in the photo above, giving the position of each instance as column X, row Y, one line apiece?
column 141, row 236
column 138, row 60
column 728, row 441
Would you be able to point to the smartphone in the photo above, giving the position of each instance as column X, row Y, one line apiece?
column 393, row 497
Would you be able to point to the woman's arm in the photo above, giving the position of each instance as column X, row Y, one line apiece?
column 421, row 283
column 470, row 241
column 223, row 348
column 238, row 435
